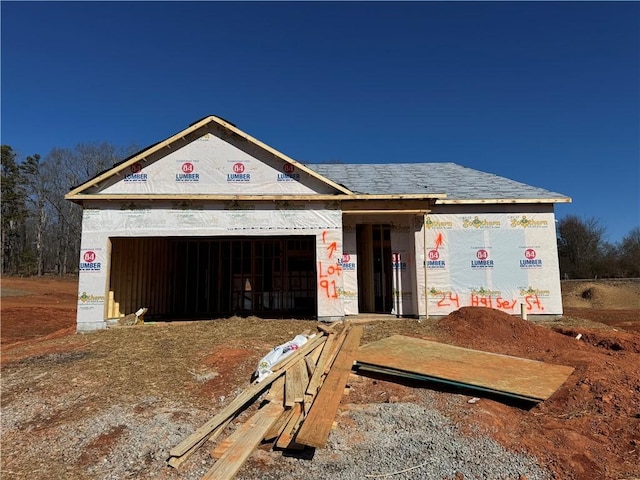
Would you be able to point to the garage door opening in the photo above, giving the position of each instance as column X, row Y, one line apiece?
column 191, row 278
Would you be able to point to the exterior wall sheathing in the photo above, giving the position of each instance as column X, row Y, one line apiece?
column 142, row 264
column 502, row 257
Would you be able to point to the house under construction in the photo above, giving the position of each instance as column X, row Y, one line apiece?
column 212, row 222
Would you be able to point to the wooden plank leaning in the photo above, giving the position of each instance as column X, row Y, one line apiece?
column 285, row 439
column 337, row 346
column 276, row 391
column 277, row 428
column 236, row 404
column 315, row 430
column 318, row 373
column 293, row 384
column 276, row 396
column 243, row 441
column 176, row 462
column 245, row 397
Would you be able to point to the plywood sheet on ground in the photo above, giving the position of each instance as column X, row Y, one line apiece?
column 493, row 372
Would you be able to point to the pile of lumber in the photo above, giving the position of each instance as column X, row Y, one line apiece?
column 299, row 400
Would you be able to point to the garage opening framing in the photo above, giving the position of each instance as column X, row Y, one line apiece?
column 196, row 277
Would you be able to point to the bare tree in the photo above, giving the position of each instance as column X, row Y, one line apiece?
column 37, row 185
column 68, row 225
column 72, row 167
column 629, row 254
column 580, row 246
column 40, row 229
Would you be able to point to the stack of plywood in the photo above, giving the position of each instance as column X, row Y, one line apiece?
column 299, row 401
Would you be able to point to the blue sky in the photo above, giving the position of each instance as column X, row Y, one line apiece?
column 546, row 93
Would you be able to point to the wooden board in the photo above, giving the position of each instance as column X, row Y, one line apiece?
column 285, row 439
column 294, row 390
column 238, row 403
column 176, row 462
column 521, row 377
column 243, row 441
column 315, row 430
column 276, row 391
column 277, row 428
column 318, row 373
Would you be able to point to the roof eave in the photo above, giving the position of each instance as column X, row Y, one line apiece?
column 80, row 197
column 502, row 201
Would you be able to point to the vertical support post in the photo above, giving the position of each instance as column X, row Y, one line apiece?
column 107, row 260
column 424, row 255
column 396, row 270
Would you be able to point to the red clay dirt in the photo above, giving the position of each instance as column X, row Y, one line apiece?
column 589, row 429
column 33, row 310
column 34, row 307
column 596, row 411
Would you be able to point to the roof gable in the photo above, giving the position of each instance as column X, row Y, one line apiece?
column 211, row 157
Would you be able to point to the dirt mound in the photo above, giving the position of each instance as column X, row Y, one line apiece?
column 484, row 328
column 607, row 362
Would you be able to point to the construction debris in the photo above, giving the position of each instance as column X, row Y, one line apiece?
column 300, row 393
column 287, row 390
column 136, row 318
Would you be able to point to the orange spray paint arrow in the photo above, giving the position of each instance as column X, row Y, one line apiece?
column 439, row 241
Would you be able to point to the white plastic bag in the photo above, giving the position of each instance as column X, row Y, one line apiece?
column 277, row 354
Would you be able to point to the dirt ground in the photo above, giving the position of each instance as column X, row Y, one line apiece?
column 589, row 429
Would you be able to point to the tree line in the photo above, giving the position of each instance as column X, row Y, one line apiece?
column 583, row 252
column 41, row 230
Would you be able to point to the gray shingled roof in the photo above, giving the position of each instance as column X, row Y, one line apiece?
column 458, row 182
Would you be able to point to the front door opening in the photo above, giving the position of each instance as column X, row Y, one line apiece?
column 375, row 273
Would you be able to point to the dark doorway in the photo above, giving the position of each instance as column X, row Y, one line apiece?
column 266, row 276
column 375, row 273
